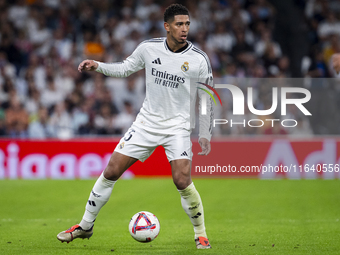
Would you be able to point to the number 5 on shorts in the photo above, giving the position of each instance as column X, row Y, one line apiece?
column 129, row 134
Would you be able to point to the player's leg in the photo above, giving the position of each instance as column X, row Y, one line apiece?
column 99, row 195
column 190, row 199
column 137, row 144
column 103, row 187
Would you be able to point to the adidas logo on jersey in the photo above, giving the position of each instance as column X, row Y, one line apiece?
column 157, row 61
column 184, row 154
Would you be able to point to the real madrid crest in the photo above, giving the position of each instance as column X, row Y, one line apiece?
column 185, row 67
column 121, row 146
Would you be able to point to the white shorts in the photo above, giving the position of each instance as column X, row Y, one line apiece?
column 139, row 143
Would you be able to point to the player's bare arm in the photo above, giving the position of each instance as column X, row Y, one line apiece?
column 336, row 62
column 87, row 65
column 205, row 146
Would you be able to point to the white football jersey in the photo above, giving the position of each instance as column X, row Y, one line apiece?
column 169, row 95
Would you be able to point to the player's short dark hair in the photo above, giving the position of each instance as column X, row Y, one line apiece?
column 173, row 10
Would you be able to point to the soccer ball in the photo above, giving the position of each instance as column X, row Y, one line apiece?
column 144, row 226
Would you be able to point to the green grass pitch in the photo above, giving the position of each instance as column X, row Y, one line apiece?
column 242, row 217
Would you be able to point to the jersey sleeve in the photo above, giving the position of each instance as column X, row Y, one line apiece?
column 130, row 65
column 205, row 121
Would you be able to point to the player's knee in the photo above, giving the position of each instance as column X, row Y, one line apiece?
column 181, row 181
column 111, row 171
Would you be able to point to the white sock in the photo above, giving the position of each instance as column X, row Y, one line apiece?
column 100, row 194
column 192, row 205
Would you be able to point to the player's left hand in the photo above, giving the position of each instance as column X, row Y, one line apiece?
column 205, row 146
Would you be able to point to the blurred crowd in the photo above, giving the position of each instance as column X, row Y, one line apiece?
column 42, row 95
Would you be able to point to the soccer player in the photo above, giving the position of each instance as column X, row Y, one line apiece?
column 164, row 119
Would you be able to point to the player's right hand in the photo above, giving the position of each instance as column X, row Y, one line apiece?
column 87, row 65
column 336, row 62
